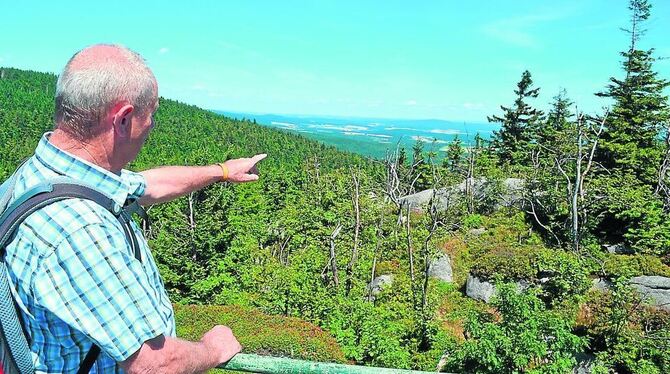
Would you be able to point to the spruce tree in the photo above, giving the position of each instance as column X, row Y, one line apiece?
column 519, row 124
column 631, row 140
column 454, row 155
column 417, row 152
column 402, row 156
column 552, row 134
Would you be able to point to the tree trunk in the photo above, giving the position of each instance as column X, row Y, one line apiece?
column 357, row 227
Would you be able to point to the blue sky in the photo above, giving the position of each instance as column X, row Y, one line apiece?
column 455, row 60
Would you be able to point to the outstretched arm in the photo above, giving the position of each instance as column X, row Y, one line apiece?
column 170, row 182
column 172, row 355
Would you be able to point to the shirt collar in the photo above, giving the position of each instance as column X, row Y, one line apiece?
column 71, row 166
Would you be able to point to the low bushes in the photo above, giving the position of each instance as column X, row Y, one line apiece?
column 260, row 333
column 521, row 335
column 627, row 266
column 626, row 335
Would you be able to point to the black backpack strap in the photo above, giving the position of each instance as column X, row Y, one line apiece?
column 89, row 360
column 61, row 191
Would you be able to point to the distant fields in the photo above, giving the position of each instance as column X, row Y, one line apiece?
column 374, row 136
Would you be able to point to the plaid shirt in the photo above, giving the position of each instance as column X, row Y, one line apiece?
column 76, row 275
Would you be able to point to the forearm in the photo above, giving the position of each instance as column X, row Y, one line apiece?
column 171, row 355
column 170, row 182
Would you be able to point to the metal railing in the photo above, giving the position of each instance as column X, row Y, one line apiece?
column 270, row 365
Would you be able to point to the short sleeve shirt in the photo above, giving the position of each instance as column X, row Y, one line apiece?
column 77, row 278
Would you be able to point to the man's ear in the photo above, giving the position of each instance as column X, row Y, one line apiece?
column 122, row 115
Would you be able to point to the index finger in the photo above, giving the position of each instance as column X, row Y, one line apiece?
column 259, row 157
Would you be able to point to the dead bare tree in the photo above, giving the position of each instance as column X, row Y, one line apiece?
column 662, row 188
column 284, row 240
column 587, row 138
column 433, row 223
column 377, row 254
column 355, row 200
column 332, row 261
column 532, row 196
column 410, row 251
column 470, row 178
column 191, row 225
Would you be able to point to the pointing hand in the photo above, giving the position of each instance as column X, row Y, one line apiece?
column 243, row 169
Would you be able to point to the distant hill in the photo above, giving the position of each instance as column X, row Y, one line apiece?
column 183, row 133
column 372, row 136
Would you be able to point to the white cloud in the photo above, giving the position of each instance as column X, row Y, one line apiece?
column 473, row 106
column 1, row 59
column 446, row 132
column 427, row 139
column 199, row 87
column 164, row 50
column 518, row 31
column 410, row 102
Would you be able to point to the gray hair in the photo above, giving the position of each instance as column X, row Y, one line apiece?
column 91, row 84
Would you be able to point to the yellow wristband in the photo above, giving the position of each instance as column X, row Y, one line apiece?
column 225, row 171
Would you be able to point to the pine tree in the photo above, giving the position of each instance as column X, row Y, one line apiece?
column 557, row 123
column 631, row 141
column 402, row 156
column 454, row 155
column 519, row 123
column 417, row 152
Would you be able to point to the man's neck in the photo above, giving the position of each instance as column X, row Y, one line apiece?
column 93, row 150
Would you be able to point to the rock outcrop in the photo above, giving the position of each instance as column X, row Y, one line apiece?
column 654, row 287
column 440, row 268
column 379, row 283
column 477, row 231
column 585, row 363
column 484, row 290
column 512, row 193
column 479, row 289
column 619, row 248
column 601, row 284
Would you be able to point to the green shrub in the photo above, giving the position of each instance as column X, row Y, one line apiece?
column 507, row 263
column 521, row 337
column 627, row 266
column 559, row 273
column 473, row 221
column 260, row 333
column 626, row 335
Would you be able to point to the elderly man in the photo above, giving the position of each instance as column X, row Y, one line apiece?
column 79, row 284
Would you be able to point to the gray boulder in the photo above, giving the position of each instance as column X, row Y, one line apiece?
column 479, row 289
column 512, row 193
column 419, row 200
column 601, row 284
column 379, row 283
column 483, row 290
column 585, row 363
column 477, row 232
column 619, row 249
column 440, row 268
column 513, row 189
column 654, row 287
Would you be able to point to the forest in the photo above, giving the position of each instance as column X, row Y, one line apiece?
column 544, row 250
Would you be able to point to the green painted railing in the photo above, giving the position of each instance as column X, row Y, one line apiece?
column 271, row 365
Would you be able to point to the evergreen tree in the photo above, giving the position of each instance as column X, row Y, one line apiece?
column 519, row 123
column 402, row 156
column 630, row 141
column 479, row 142
column 454, row 155
column 557, row 124
column 417, row 152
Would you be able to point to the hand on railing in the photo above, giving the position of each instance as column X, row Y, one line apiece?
column 222, row 343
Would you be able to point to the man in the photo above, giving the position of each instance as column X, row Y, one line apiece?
column 77, row 279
